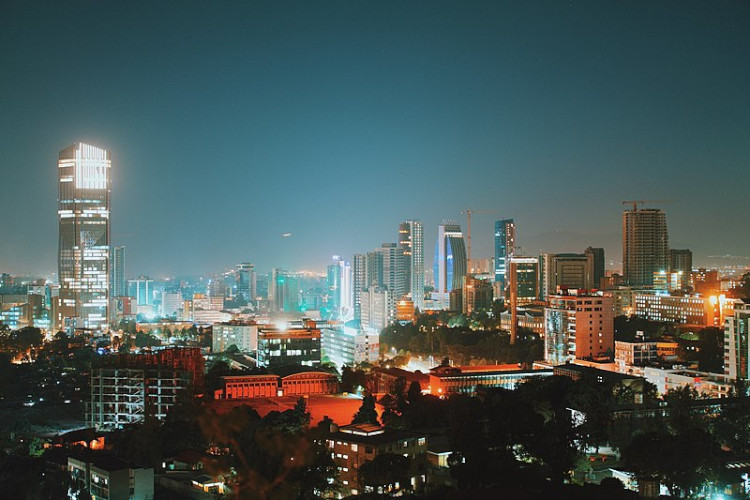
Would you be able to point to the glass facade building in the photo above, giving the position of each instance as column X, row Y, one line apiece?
column 83, row 250
column 505, row 242
column 450, row 259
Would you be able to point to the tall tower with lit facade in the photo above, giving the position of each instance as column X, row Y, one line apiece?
column 505, row 243
column 411, row 239
column 246, row 282
column 645, row 245
column 450, row 259
column 83, row 208
column 119, row 288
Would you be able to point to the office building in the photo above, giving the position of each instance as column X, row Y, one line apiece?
column 375, row 313
column 283, row 291
column 684, row 309
column 142, row 289
column 737, row 342
column 558, row 271
column 83, row 251
column 347, row 344
column 524, row 272
column 411, row 240
column 244, row 336
column 246, row 282
column 597, row 257
column 578, row 327
column 681, row 262
column 289, row 346
column 450, row 260
column 645, row 245
column 476, row 296
column 171, row 304
column 118, row 272
column 359, row 283
column 339, row 297
column 505, row 244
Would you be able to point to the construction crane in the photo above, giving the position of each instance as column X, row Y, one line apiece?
column 468, row 213
column 642, row 202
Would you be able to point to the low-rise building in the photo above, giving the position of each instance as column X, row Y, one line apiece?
column 348, row 344
column 289, row 346
column 242, row 335
column 296, row 382
column 446, row 380
column 352, row 446
column 109, row 478
column 636, row 353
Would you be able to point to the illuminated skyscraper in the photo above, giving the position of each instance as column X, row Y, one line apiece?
column 505, row 243
column 246, row 282
column 83, row 250
column 359, row 283
column 645, row 246
column 450, row 259
column 119, row 288
column 411, row 240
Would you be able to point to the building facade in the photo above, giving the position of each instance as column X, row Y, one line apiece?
column 83, row 209
column 645, row 245
column 565, row 270
column 411, row 240
column 242, row 335
column 578, row 327
column 505, row 244
column 450, row 260
column 118, row 272
column 352, row 446
column 348, row 344
column 290, row 346
column 737, row 342
column 246, row 282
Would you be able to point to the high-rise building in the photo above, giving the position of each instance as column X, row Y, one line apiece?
column 477, row 295
column 645, row 245
column 505, row 243
column 339, row 294
column 737, row 342
column 450, row 260
column 246, row 282
column 142, row 289
column 83, row 252
column 578, row 327
column 524, row 271
column 118, row 272
column 681, row 262
column 394, row 275
column 597, row 255
column 411, row 239
column 565, row 270
column 284, row 291
column 359, row 283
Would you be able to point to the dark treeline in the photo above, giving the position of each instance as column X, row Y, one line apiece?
column 464, row 340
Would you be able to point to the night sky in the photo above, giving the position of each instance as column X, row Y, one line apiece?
column 231, row 123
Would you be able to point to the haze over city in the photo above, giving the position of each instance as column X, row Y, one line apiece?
column 233, row 124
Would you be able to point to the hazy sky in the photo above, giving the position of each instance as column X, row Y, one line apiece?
column 231, row 123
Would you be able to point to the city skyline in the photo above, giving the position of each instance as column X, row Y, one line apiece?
column 492, row 109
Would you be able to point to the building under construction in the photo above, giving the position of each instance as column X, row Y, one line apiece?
column 126, row 388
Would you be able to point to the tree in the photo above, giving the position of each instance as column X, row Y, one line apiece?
column 366, row 413
column 385, row 469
